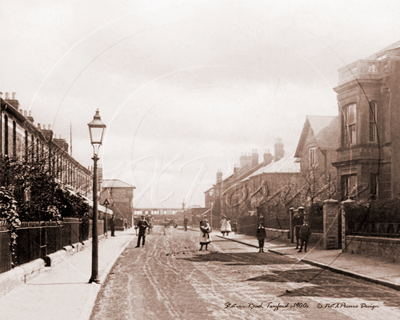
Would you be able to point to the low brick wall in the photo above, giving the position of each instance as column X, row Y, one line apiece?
column 385, row 248
column 277, row 234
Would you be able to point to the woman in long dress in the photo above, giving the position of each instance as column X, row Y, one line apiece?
column 225, row 226
column 205, row 238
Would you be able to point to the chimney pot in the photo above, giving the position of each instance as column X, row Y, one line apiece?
column 14, row 95
column 49, row 127
column 1, row 95
column 25, row 113
column 30, row 113
column 7, row 96
column 38, row 125
column 21, row 111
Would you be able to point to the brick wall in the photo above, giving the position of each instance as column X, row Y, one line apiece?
column 382, row 248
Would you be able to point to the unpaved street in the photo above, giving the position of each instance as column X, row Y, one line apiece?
column 170, row 279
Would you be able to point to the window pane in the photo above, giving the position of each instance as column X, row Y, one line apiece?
column 352, row 132
column 372, row 131
column 352, row 114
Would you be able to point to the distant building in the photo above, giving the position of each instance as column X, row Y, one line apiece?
column 261, row 192
column 120, row 197
column 224, row 193
column 368, row 93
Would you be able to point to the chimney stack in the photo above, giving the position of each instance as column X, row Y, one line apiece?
column 279, row 152
column 267, row 157
column 254, row 158
column 1, row 95
column 29, row 117
column 7, row 96
column 219, row 176
column 14, row 96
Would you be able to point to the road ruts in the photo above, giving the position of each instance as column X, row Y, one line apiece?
column 170, row 279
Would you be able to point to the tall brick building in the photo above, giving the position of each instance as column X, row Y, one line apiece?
column 120, row 197
column 368, row 93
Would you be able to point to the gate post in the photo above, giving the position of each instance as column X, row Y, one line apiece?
column 291, row 224
column 330, row 223
column 344, row 230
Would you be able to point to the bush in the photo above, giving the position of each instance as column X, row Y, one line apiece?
column 377, row 211
column 316, row 216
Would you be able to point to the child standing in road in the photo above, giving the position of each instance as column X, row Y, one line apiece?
column 261, row 235
column 205, row 238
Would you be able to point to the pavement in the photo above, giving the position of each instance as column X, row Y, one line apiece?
column 362, row 267
column 62, row 291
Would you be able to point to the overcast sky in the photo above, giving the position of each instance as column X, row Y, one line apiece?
column 184, row 87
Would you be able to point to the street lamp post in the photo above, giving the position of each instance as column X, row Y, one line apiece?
column 96, row 130
column 212, row 206
column 106, row 203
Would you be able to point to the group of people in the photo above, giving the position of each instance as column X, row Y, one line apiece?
column 302, row 232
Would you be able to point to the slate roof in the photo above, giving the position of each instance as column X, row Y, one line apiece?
column 115, row 183
column 288, row 164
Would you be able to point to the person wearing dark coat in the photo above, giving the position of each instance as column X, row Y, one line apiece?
column 142, row 225
column 305, row 233
column 235, row 226
column 297, row 223
column 261, row 235
column 112, row 226
column 185, row 223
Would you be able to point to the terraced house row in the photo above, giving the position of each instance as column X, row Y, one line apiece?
column 21, row 138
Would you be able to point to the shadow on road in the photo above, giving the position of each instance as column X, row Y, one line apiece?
column 240, row 259
column 330, row 285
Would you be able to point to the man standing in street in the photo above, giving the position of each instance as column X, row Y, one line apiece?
column 297, row 223
column 112, row 226
column 142, row 225
column 305, row 233
column 185, row 222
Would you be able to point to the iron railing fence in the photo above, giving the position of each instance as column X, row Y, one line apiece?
column 5, row 252
column 39, row 239
column 386, row 230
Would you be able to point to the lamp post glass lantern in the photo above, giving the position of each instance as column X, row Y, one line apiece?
column 96, row 130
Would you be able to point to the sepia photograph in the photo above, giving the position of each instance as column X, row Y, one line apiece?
column 197, row 159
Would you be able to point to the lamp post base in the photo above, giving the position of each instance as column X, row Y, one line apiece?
column 94, row 280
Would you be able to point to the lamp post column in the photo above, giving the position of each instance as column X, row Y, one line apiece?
column 95, row 243
column 105, row 224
